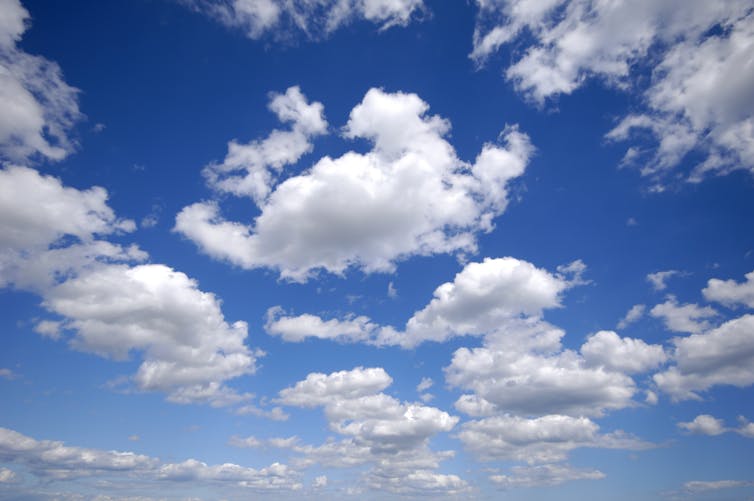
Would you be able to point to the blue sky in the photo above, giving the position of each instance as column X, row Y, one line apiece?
column 376, row 249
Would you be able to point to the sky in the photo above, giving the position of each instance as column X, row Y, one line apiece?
column 376, row 249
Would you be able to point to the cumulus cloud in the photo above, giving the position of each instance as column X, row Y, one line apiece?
column 698, row 96
column 731, row 293
column 544, row 475
column 704, row 424
column 522, row 369
column 317, row 19
column 420, row 198
column 248, row 169
column 39, row 107
column 683, row 317
column 721, row 356
column 659, row 279
column 607, row 349
column 53, row 459
column 378, row 429
column 632, row 315
column 545, row 439
column 51, row 244
column 479, row 299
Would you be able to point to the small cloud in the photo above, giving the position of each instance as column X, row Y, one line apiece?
column 634, row 314
column 426, row 397
column 7, row 373
column 392, row 292
column 134, row 438
column 632, row 222
column 425, row 384
column 320, row 482
column 659, row 278
column 48, row 328
column 98, row 127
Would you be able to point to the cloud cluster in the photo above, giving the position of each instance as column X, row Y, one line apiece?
column 55, row 460
column 699, row 95
column 313, row 19
column 417, row 195
column 51, row 243
column 39, row 107
column 377, row 429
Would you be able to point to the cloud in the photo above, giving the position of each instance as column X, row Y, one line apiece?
column 380, row 430
column 7, row 476
column 50, row 244
column 425, row 384
column 420, row 197
column 248, row 169
column 632, row 315
column 39, row 107
column 522, row 369
column 698, row 97
column 696, row 486
column 731, row 293
column 627, row 355
column 704, row 424
column 314, row 20
column 683, row 318
column 55, row 460
column 659, row 278
column 545, row 439
column 478, row 300
column 544, row 475
column 721, row 356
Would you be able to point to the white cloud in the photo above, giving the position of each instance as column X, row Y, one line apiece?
column 317, row 19
column 478, row 300
column 7, row 373
column 522, row 369
column 420, row 198
column 49, row 244
column 685, row 317
column 731, row 293
column 607, row 349
column 380, row 430
column 632, row 315
column 7, row 476
column 659, row 278
column 248, row 169
column 425, row 384
column 546, row 474
column 699, row 95
column 322, row 389
column 39, row 107
column 704, row 424
column 721, row 356
column 746, row 429
column 544, row 439
column 696, row 486
column 52, row 459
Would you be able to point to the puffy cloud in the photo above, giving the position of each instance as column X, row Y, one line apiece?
column 632, row 315
column 658, row 279
column 721, row 356
column 188, row 347
column 731, row 293
column 7, row 475
column 544, row 439
column 46, row 458
column 425, row 384
column 39, row 107
column 420, row 198
column 521, row 369
column 545, row 474
column 685, row 317
column 322, row 389
column 479, row 299
column 313, row 19
column 704, row 424
column 698, row 97
column 746, row 429
column 380, row 430
column 246, row 170
column 626, row 355
column 50, row 244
